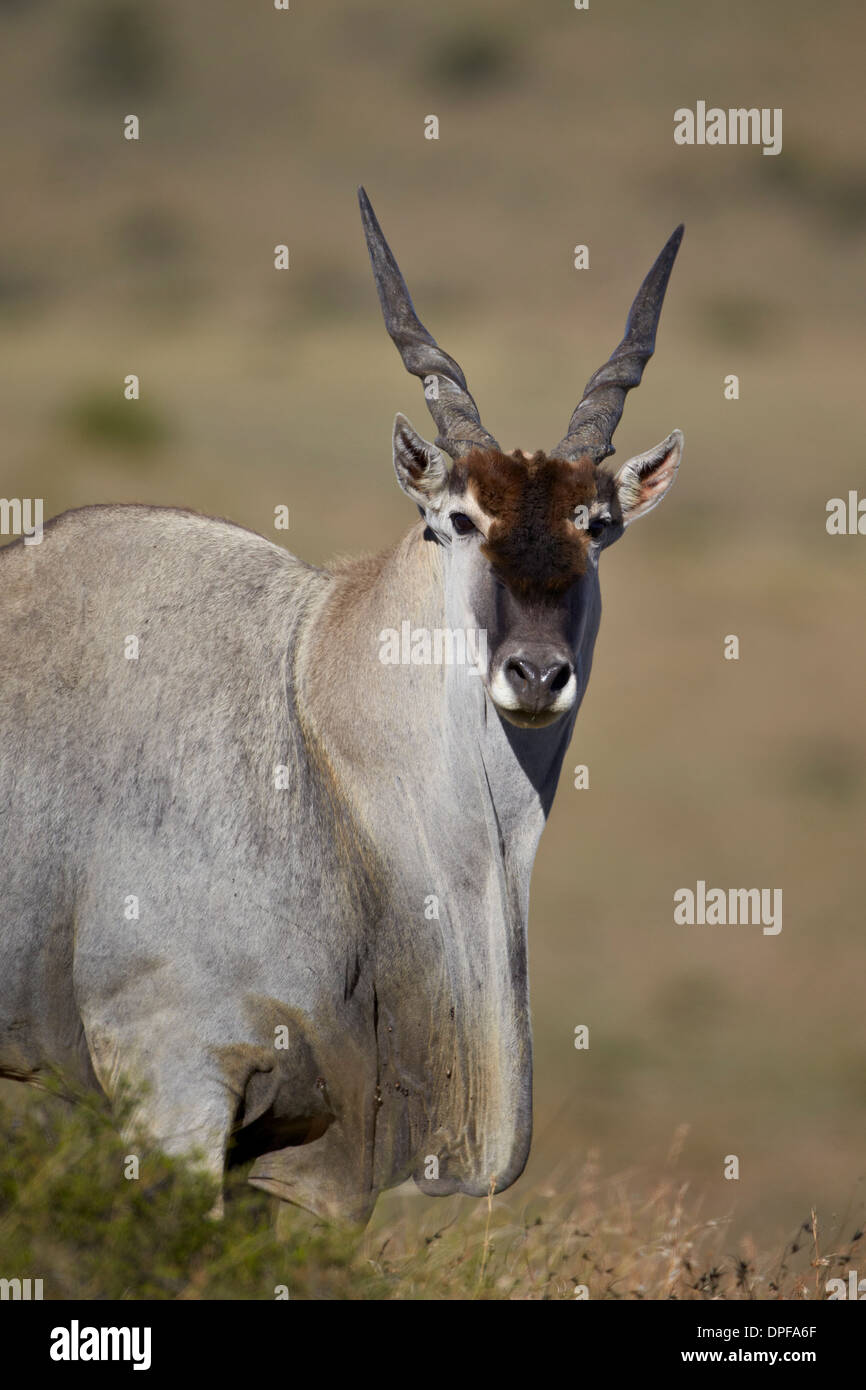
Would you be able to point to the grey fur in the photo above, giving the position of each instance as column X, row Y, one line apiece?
column 372, row 911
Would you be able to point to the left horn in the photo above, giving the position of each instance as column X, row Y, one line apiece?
column 454, row 410
column 592, row 425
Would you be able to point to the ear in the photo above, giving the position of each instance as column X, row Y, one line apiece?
column 643, row 481
column 420, row 467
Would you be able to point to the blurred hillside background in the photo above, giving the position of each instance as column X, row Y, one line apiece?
column 262, row 387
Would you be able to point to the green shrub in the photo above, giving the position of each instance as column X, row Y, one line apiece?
column 108, row 419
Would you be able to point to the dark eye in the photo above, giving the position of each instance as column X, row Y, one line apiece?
column 596, row 527
column 461, row 523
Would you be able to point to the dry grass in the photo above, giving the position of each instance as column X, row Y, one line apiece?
column 69, row 1216
column 621, row 1236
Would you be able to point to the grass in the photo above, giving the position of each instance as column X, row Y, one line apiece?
column 70, row 1216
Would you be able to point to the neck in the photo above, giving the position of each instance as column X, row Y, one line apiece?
column 431, row 729
column 439, row 808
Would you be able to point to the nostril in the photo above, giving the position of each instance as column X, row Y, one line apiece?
column 521, row 669
column 561, row 679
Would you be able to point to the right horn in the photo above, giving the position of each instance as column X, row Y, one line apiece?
column 452, row 407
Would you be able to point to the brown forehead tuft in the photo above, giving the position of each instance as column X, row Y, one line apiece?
column 533, row 544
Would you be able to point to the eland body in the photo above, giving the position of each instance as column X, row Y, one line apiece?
column 277, row 879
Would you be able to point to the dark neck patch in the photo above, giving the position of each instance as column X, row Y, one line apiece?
column 533, row 545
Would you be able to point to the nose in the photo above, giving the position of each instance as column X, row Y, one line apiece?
column 537, row 677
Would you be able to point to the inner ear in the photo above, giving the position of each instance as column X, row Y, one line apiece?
column 644, row 480
column 420, row 467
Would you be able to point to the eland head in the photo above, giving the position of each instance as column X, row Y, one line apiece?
column 522, row 534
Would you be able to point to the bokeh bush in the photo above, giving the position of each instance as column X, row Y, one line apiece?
column 70, row 1216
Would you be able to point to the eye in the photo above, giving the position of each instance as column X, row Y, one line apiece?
column 461, row 523
column 597, row 526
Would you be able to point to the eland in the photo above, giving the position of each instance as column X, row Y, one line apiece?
column 269, row 873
